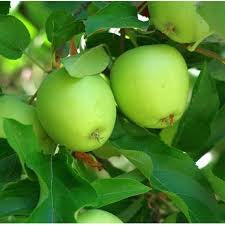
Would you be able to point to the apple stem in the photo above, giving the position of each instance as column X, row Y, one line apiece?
column 96, row 135
column 169, row 28
column 169, row 119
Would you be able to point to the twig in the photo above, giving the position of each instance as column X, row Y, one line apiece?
column 142, row 7
column 35, row 62
column 73, row 49
column 32, row 98
column 122, row 41
column 208, row 53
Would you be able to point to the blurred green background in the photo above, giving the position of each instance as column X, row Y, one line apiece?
column 22, row 76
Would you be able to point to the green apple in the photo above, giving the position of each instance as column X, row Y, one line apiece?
column 150, row 84
column 167, row 134
column 78, row 113
column 179, row 20
column 12, row 107
column 97, row 216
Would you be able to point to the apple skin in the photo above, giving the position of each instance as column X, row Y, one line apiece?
column 150, row 85
column 97, row 216
column 12, row 107
column 78, row 113
column 179, row 20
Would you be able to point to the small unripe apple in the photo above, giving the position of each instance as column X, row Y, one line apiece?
column 97, row 216
column 150, row 85
column 12, row 107
column 179, row 20
column 78, row 113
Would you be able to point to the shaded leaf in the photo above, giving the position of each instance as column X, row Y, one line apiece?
column 217, row 184
column 10, row 168
column 115, row 15
column 61, row 26
column 14, row 39
column 90, row 62
column 195, row 123
column 217, row 127
column 131, row 210
column 217, row 70
column 4, row 7
column 214, row 14
column 220, row 85
column 112, row 41
column 19, row 198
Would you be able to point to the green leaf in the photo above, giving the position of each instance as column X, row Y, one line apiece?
column 14, row 39
column 61, row 26
column 175, row 174
column 19, row 198
column 115, row 15
column 217, row 70
column 10, row 168
column 111, row 40
column 140, row 159
column 134, row 175
column 171, row 218
column 217, row 184
column 214, row 14
column 4, row 7
column 194, row 127
column 90, row 62
column 217, row 127
column 62, row 190
column 220, row 85
column 116, row 189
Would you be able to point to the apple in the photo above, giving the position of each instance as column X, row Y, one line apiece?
column 179, row 20
column 167, row 134
column 97, row 216
column 12, row 107
column 150, row 85
column 78, row 113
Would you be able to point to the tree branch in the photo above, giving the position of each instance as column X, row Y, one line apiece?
column 122, row 40
column 36, row 62
column 32, row 98
column 73, row 49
